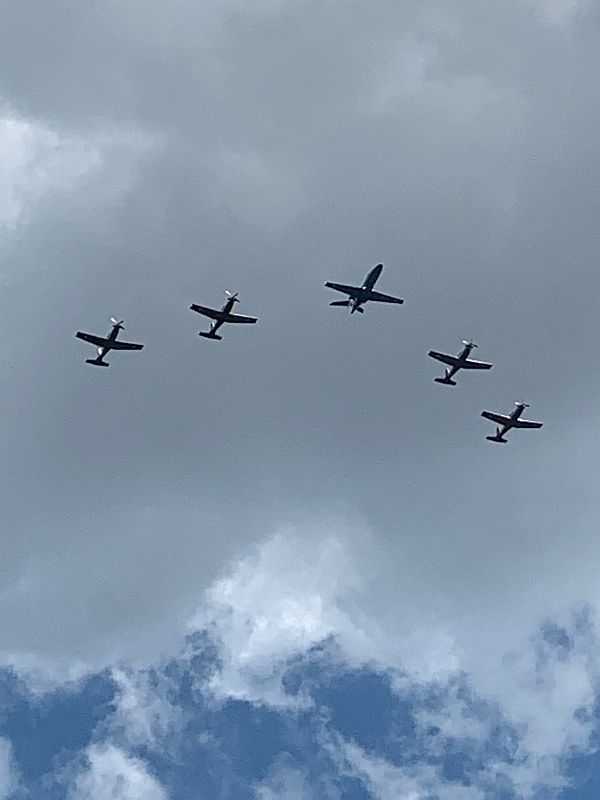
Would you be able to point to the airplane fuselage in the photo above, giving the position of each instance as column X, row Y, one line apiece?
column 102, row 351
column 462, row 358
column 225, row 309
column 365, row 290
column 514, row 416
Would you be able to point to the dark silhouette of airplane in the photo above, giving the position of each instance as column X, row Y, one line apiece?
column 359, row 295
column 508, row 421
column 220, row 316
column 461, row 361
column 106, row 344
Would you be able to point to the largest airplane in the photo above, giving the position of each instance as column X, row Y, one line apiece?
column 359, row 295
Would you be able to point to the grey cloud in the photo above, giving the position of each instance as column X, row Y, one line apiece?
column 290, row 147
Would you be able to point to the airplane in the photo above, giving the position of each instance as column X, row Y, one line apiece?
column 461, row 361
column 105, row 345
column 359, row 295
column 508, row 421
column 220, row 316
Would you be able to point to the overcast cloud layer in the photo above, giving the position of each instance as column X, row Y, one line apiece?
column 304, row 480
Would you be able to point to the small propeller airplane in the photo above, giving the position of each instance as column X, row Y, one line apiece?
column 220, row 316
column 508, row 421
column 105, row 345
column 461, row 361
column 359, row 295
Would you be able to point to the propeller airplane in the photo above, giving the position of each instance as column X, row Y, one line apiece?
column 106, row 344
column 221, row 316
column 461, row 361
column 508, row 421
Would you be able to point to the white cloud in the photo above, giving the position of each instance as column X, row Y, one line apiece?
column 9, row 779
column 284, row 782
column 290, row 594
column 110, row 774
column 386, row 781
column 38, row 160
column 144, row 714
column 301, row 587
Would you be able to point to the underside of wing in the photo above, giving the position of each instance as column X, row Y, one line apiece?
column 472, row 364
column 99, row 341
column 238, row 318
column 526, row 423
column 379, row 297
column 213, row 313
column 501, row 419
column 342, row 287
column 452, row 361
column 117, row 345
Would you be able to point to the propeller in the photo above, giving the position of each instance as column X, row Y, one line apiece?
column 117, row 323
column 232, row 296
column 469, row 344
column 522, row 403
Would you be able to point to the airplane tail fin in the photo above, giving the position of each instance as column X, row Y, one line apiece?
column 447, row 380
column 497, row 437
column 359, row 309
column 210, row 335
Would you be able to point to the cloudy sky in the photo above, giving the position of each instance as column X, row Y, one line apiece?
column 288, row 565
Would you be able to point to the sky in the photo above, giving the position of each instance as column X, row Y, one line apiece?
column 288, row 565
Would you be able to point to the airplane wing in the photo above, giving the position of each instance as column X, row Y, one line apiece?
column 237, row 318
column 499, row 418
column 452, row 361
column 525, row 423
column 115, row 344
column 213, row 313
column 342, row 287
column 379, row 297
column 99, row 341
column 472, row 364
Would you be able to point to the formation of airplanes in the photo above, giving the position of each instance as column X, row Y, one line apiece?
column 357, row 297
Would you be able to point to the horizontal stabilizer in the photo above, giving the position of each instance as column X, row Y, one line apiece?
column 96, row 362
column 446, row 380
column 496, row 439
column 208, row 335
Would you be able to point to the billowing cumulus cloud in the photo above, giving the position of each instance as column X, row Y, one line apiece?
column 109, row 774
